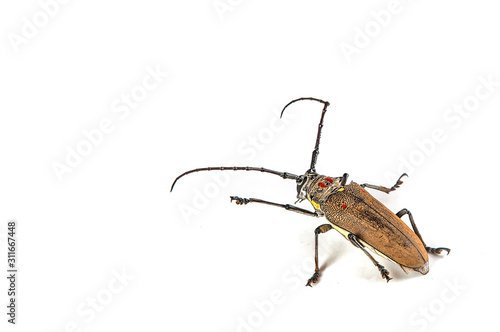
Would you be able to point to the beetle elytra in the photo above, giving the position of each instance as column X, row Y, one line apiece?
column 351, row 210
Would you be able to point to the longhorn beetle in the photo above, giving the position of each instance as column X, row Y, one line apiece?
column 351, row 210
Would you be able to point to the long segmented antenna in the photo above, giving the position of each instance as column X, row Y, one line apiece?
column 284, row 175
column 315, row 152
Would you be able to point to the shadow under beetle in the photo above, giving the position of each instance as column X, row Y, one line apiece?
column 352, row 211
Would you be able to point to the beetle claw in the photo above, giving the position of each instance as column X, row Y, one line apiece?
column 437, row 251
column 313, row 279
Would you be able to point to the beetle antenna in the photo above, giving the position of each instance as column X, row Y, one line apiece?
column 315, row 152
column 284, row 175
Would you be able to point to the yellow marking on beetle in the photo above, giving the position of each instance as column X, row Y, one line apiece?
column 345, row 233
column 366, row 245
column 341, row 189
column 375, row 250
column 341, row 230
column 316, row 205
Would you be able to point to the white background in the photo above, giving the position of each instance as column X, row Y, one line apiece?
column 195, row 264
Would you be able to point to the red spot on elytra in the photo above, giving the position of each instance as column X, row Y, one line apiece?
column 329, row 180
column 322, row 185
column 344, row 206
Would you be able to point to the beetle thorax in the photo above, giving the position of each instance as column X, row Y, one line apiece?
column 316, row 188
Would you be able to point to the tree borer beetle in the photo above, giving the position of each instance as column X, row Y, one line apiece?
column 352, row 211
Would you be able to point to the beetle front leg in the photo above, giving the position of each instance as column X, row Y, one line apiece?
column 355, row 241
column 289, row 207
column 384, row 189
column 415, row 229
column 320, row 229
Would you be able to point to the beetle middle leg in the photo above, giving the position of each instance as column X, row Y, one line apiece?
column 415, row 229
column 320, row 229
column 355, row 241
column 385, row 189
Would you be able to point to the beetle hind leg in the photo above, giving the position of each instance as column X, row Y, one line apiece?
column 431, row 250
column 437, row 251
column 383, row 271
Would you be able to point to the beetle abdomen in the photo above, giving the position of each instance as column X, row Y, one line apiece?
column 354, row 210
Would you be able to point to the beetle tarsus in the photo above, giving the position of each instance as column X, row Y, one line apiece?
column 384, row 272
column 398, row 183
column 313, row 279
column 239, row 200
column 437, row 251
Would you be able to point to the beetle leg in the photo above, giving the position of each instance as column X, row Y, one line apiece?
column 384, row 189
column 244, row 201
column 320, row 229
column 355, row 241
column 415, row 229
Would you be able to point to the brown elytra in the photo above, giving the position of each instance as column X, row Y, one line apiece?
column 355, row 211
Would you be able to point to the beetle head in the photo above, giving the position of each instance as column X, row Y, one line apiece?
column 302, row 185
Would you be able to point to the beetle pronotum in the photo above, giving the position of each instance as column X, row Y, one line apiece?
column 351, row 210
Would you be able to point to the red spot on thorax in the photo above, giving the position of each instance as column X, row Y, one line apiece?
column 322, row 185
column 329, row 180
column 344, row 206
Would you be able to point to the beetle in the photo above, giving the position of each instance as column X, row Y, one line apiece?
column 351, row 210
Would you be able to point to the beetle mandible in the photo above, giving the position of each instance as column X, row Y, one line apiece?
column 351, row 210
